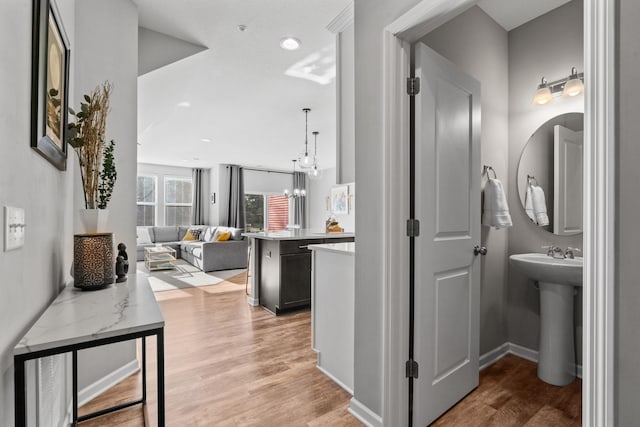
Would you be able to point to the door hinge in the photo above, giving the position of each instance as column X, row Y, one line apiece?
column 413, row 85
column 413, row 228
column 412, row 368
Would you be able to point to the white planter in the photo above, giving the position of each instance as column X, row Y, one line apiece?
column 94, row 220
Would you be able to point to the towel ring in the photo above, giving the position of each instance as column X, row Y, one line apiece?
column 532, row 180
column 486, row 170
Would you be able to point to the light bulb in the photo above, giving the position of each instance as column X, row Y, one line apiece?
column 315, row 172
column 303, row 192
column 286, row 192
column 542, row 96
column 305, row 161
column 573, row 87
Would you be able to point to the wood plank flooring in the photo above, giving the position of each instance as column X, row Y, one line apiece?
column 510, row 394
column 229, row 364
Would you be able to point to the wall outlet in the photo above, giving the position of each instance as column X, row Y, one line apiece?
column 14, row 228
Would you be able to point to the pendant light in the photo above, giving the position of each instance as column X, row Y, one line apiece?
column 315, row 172
column 296, row 192
column 305, row 161
column 543, row 94
column 574, row 85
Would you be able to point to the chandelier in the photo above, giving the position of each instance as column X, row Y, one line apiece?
column 296, row 192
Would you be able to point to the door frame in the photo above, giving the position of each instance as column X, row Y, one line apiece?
column 598, row 401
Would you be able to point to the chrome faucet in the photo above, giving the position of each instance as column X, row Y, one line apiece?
column 569, row 252
column 554, row 252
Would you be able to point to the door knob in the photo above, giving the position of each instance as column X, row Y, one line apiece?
column 479, row 250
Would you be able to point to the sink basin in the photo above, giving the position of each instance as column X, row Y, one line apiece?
column 544, row 268
column 557, row 279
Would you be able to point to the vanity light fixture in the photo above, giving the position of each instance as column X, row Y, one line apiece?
column 567, row 87
column 290, row 43
column 315, row 172
column 574, row 85
column 543, row 94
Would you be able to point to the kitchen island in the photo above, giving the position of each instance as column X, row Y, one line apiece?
column 281, row 267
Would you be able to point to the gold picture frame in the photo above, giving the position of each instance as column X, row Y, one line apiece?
column 49, row 84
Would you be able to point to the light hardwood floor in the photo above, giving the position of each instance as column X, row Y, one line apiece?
column 228, row 364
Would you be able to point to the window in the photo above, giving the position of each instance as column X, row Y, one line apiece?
column 178, row 199
column 146, row 200
column 266, row 212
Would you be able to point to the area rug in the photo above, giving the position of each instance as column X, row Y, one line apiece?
column 186, row 276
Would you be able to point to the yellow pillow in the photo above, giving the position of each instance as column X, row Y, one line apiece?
column 189, row 236
column 223, row 237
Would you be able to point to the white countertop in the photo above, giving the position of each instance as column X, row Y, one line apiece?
column 77, row 316
column 348, row 248
column 302, row 234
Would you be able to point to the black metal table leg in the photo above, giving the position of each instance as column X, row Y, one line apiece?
column 144, row 369
column 74, row 380
column 160, row 356
column 20, row 392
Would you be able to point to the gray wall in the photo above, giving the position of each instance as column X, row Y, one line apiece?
column 33, row 275
column 546, row 46
column 627, row 346
column 104, row 31
column 479, row 46
column 371, row 17
column 346, row 100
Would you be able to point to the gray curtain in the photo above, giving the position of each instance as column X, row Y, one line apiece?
column 197, row 215
column 232, row 197
column 299, row 203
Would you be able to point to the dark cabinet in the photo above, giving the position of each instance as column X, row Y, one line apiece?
column 285, row 273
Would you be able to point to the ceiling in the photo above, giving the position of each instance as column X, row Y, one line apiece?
column 239, row 101
column 511, row 14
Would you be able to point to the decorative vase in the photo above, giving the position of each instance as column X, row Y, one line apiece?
column 94, row 220
column 93, row 266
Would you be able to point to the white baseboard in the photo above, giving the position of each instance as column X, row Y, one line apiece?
column 103, row 384
column 364, row 414
column 492, row 356
column 253, row 301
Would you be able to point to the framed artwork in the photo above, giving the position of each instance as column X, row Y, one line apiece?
column 49, row 84
column 340, row 200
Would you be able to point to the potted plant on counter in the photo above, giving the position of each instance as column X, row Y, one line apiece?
column 95, row 156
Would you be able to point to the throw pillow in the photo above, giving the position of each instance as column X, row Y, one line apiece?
column 189, row 236
column 223, row 237
column 207, row 236
column 193, row 233
column 143, row 237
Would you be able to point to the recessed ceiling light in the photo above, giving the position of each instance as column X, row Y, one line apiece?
column 184, row 104
column 242, row 28
column 196, row 158
column 289, row 43
column 185, row 160
column 205, row 139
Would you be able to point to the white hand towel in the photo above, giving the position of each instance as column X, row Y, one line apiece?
column 496, row 210
column 539, row 205
column 528, row 205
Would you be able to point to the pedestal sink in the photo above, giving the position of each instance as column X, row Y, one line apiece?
column 557, row 279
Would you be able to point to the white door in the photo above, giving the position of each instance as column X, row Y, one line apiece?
column 567, row 181
column 447, row 203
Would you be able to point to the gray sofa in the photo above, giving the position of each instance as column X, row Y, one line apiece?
column 205, row 255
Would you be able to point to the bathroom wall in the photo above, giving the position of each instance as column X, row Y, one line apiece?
column 479, row 46
column 627, row 206
column 546, row 46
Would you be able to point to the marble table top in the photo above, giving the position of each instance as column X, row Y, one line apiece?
column 348, row 248
column 300, row 234
column 77, row 316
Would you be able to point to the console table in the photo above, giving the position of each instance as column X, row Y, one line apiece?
column 77, row 319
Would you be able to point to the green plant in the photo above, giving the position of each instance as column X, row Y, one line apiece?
column 87, row 137
column 108, row 176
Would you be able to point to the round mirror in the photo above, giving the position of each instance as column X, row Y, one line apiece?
column 550, row 175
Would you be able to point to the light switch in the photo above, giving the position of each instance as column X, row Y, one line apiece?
column 14, row 228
